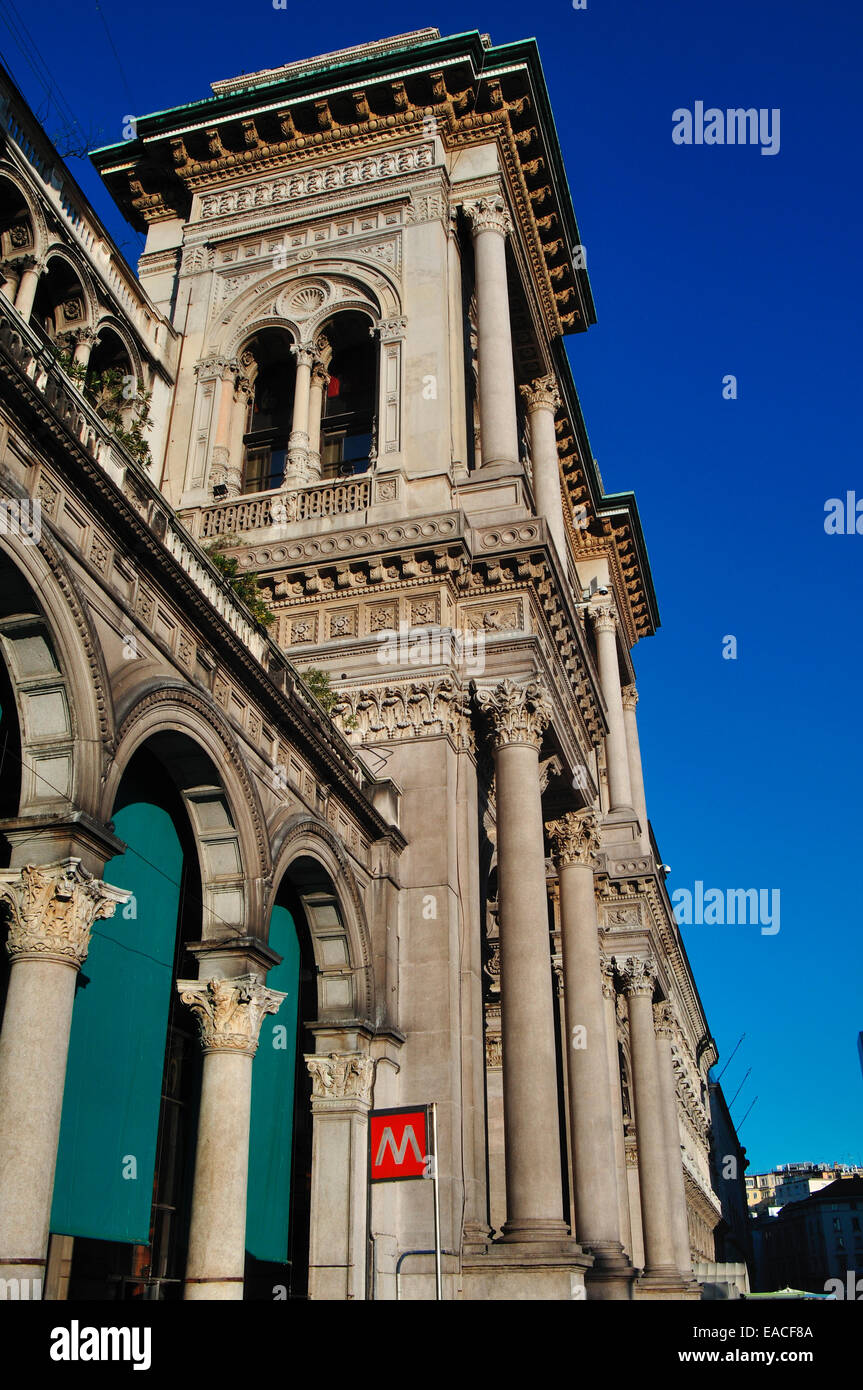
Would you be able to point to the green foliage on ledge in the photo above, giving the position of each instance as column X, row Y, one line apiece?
column 245, row 586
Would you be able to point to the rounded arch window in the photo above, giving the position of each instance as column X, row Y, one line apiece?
column 348, row 416
column 17, row 235
column 270, row 409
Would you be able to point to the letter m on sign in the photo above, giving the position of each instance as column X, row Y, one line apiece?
column 398, row 1143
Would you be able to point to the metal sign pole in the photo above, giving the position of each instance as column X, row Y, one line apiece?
column 437, row 1259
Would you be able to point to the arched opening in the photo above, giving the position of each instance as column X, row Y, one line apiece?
column 17, row 234
column 272, row 372
column 348, row 419
column 60, row 305
column 125, row 1161
column 109, row 361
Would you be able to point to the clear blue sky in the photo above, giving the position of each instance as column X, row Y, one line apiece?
column 705, row 261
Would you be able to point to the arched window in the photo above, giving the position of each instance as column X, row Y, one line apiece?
column 272, row 373
column 348, row 418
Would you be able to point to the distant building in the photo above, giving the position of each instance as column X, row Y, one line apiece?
column 792, row 1182
column 811, row 1241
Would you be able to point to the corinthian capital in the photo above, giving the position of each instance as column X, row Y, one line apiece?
column 575, row 837
column 489, row 215
column 541, row 394
column 305, row 354
column 518, row 713
column 230, row 1012
column 341, row 1076
column 639, row 976
column 629, row 695
column 53, row 908
column 603, row 617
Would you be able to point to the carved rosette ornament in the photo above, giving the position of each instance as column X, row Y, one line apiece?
column 230, row 1012
column 663, row 1020
column 52, row 910
column 575, row 838
column 489, row 215
column 517, row 713
column 639, row 976
column 629, row 695
column 541, row 394
column 342, row 1076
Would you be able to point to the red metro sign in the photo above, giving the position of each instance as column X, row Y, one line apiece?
column 400, row 1144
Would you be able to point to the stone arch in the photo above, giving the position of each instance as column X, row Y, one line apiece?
column 342, row 947
column 59, row 251
column 58, row 678
column 272, row 302
column 109, row 321
column 189, row 734
column 34, row 208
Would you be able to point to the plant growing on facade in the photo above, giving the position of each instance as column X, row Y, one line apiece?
column 318, row 682
column 116, row 399
column 245, row 586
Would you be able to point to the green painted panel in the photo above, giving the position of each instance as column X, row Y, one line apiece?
column 117, row 1046
column 272, row 1121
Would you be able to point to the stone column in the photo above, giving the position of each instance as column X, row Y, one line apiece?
column 342, row 1088
column 542, row 399
column 298, row 443
column 320, row 380
column 575, row 842
column 52, row 910
column 234, row 462
column 27, row 285
column 664, row 1027
column 498, row 423
column 629, row 696
column 609, row 997
column 605, row 625
column 221, row 455
column 639, row 977
column 229, row 1014
column 85, row 340
column 534, row 1204
column 457, row 398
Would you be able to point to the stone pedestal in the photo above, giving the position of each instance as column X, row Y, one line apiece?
column 229, row 1014
column 53, row 908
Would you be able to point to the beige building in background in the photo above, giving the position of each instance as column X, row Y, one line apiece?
column 350, row 312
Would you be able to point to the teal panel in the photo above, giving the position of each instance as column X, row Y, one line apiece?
column 272, row 1121
column 117, row 1046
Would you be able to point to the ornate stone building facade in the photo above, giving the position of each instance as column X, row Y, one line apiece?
column 350, row 314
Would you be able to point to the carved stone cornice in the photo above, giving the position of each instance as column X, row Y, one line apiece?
column 341, row 1076
column 541, row 394
column 638, row 976
column 603, row 617
column 230, row 1012
column 629, row 695
column 575, row 838
column 52, row 909
column 517, row 713
column 489, row 215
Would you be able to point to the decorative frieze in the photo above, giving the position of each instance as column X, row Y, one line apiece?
column 229, row 1012
column 52, row 910
column 327, row 178
column 421, row 708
